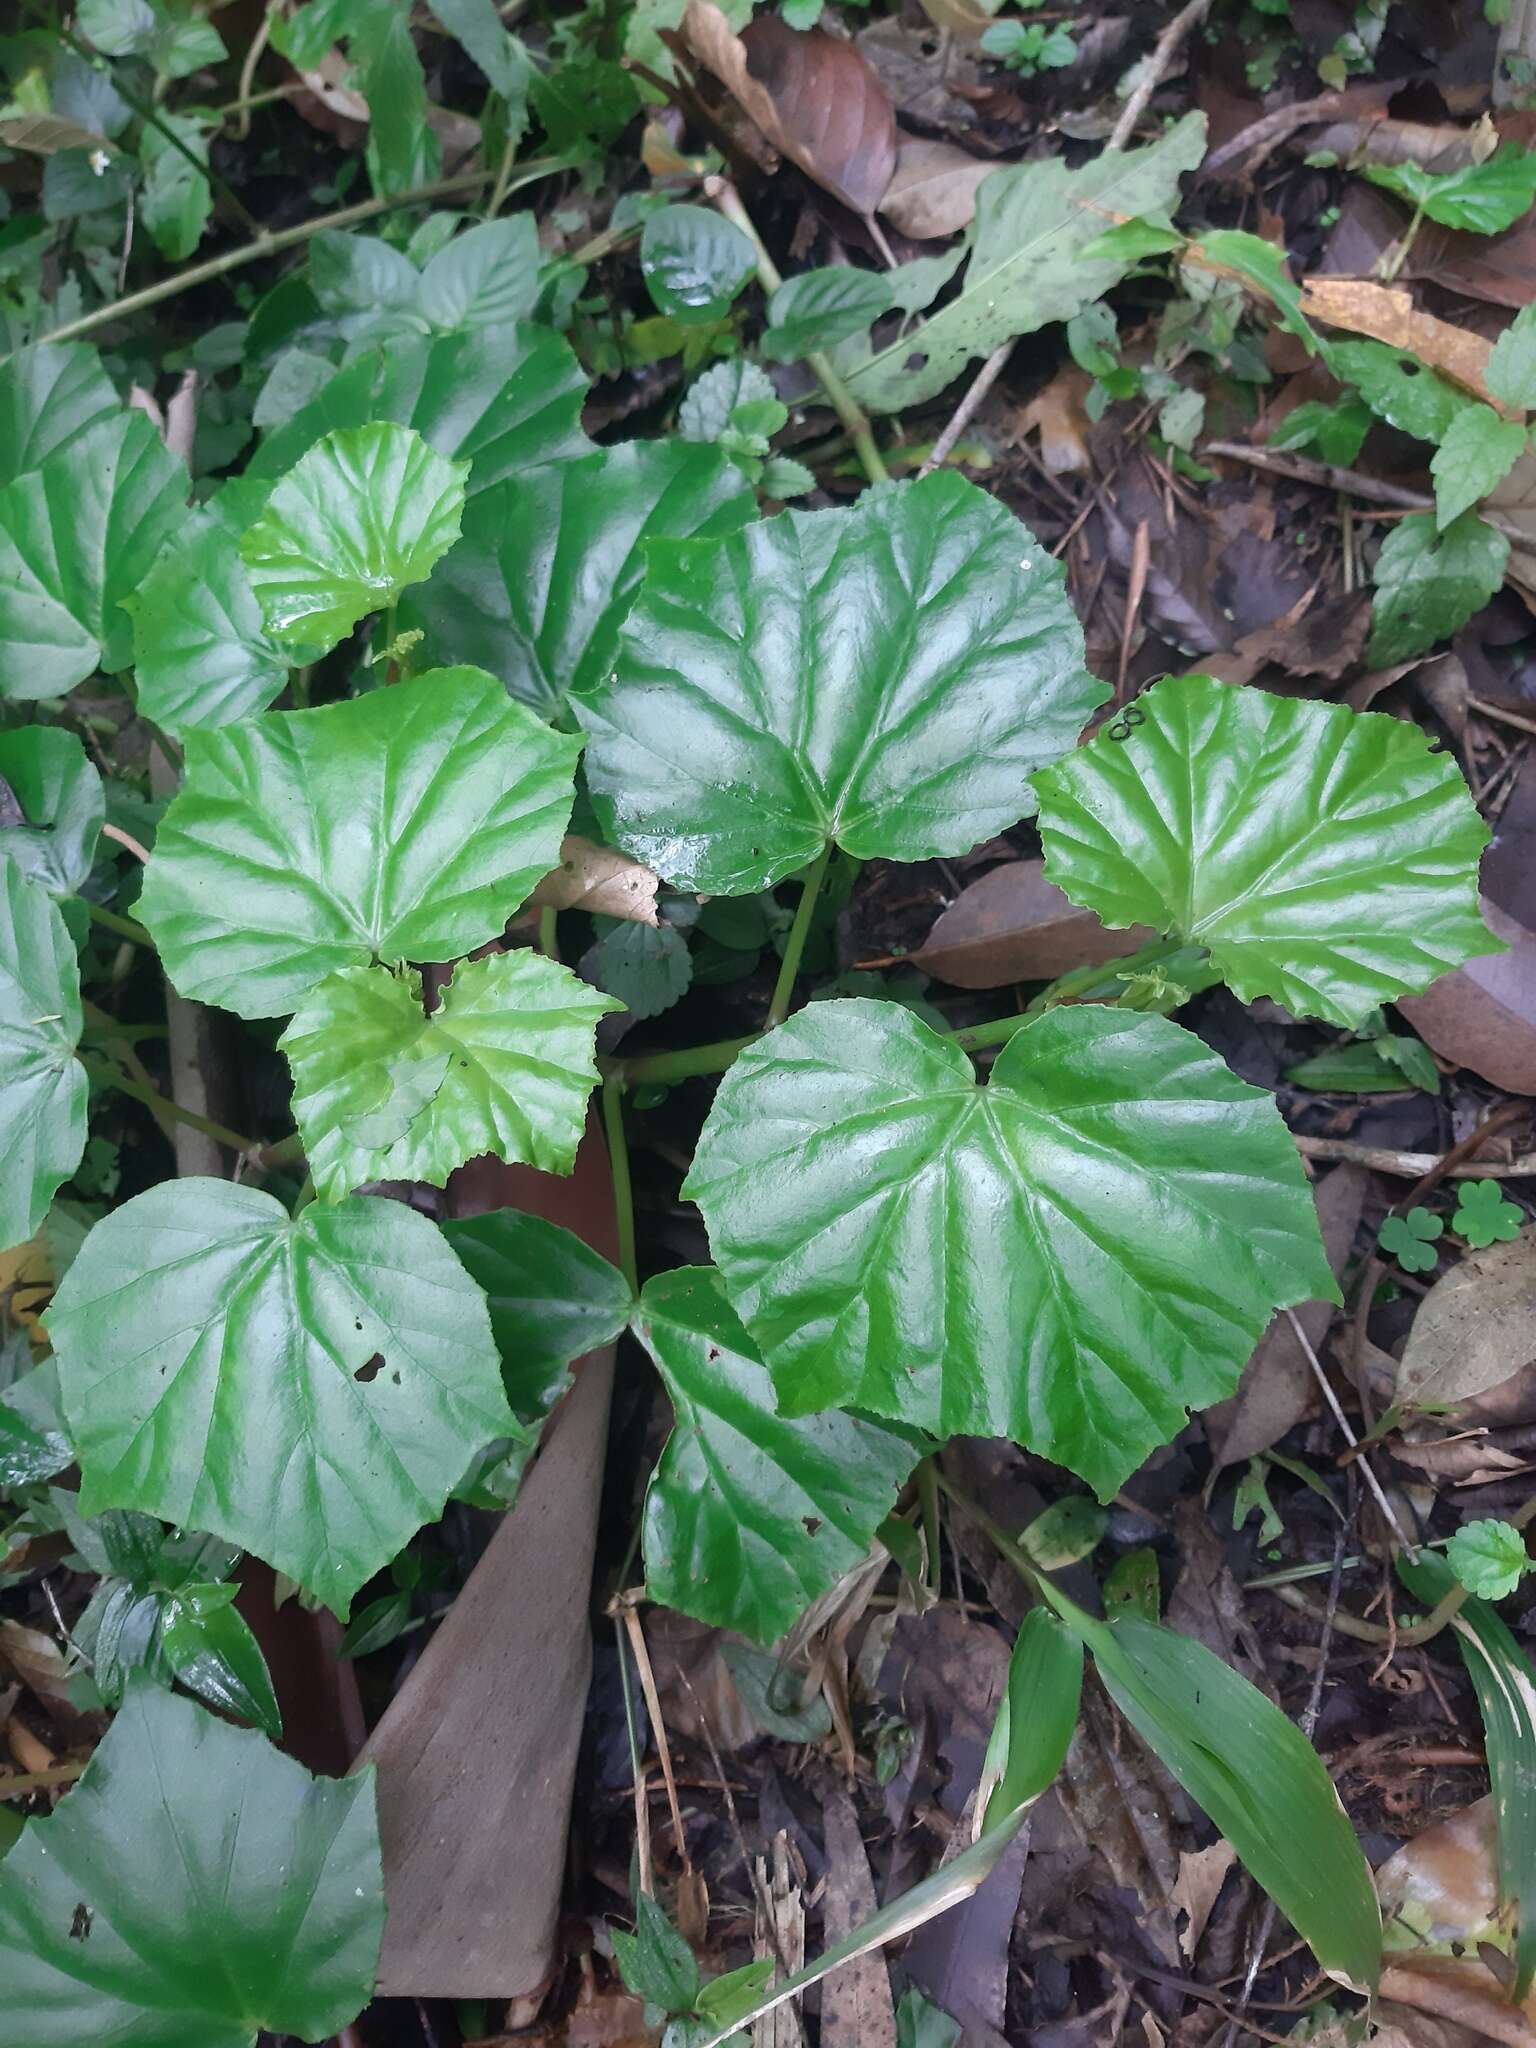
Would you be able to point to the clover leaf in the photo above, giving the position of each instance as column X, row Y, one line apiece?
column 1483, row 1215
column 1410, row 1239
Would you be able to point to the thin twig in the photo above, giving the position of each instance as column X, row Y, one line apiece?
column 1303, row 469
column 1500, row 715
column 1156, row 69
column 966, row 410
column 136, row 847
column 1389, row 1513
column 1410, row 1165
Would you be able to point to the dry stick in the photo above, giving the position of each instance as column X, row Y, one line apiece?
column 1164, row 50
column 136, row 847
column 1302, row 469
column 22, row 1785
column 658, row 1727
column 1409, row 1165
column 1389, row 1513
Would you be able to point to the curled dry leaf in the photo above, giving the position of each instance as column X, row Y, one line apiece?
column 1014, row 925
column 1057, row 414
column 1475, row 1328
column 601, row 880
column 815, row 97
column 933, row 190
column 1389, row 314
column 1202, row 1873
column 1483, row 1016
column 36, row 1660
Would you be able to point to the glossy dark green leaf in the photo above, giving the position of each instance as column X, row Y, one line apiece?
column 505, row 401
column 194, row 1887
column 539, row 586
column 406, row 825
column 61, row 800
column 50, row 394
column 363, row 515
column 211, row 1650
column 504, row 1065
column 1429, row 583
column 76, row 536
column 1324, row 856
column 308, row 1388
column 42, row 1085
column 821, row 307
column 694, row 262
column 1035, row 1718
column 1484, row 198
column 1071, row 1256
column 750, row 1514
column 883, row 677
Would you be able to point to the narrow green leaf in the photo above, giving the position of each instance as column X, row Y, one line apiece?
column 504, row 1065
column 1478, row 452
column 1511, row 370
column 1035, row 1719
column 694, row 263
column 308, row 1388
column 50, row 394
column 364, row 514
column 1324, row 856
column 746, row 725
column 403, row 151
column 1428, row 584
column 195, row 1886
column 750, row 1515
column 42, row 1085
column 60, row 795
column 1071, row 1256
column 210, row 1648
column 405, row 825
column 1262, row 265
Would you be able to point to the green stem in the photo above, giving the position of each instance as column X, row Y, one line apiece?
column 663, row 1069
column 928, row 1502
column 769, row 276
column 1392, row 268
column 994, row 1531
column 799, row 931
column 623, row 1192
column 111, row 921
column 285, row 238
column 549, row 943
column 165, row 1105
column 976, row 1037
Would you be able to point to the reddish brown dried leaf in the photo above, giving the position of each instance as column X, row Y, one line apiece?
column 1014, row 925
column 1483, row 1016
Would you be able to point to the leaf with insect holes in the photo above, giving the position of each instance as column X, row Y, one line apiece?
column 1483, row 1216
column 751, row 1514
column 503, row 1065
column 694, row 263
column 267, row 1905
column 1429, row 583
column 1488, row 1557
column 405, row 825
column 1325, row 857
column 882, row 678
column 364, row 514
column 1072, row 1256
column 539, row 586
column 59, row 794
column 1398, row 387
column 50, row 394
column 76, row 536
column 1478, row 452
column 308, row 1387
column 42, row 1085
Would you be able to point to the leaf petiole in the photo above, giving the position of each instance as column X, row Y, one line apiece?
column 799, row 931
column 618, row 1163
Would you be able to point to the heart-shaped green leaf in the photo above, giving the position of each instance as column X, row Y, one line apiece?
column 60, row 796
column 1325, row 856
column 309, row 1387
column 42, row 1084
column 751, row 1514
column 548, row 567
column 405, row 825
column 506, row 401
column 49, row 394
column 884, row 677
column 265, row 1908
column 1071, row 1256
column 365, row 513
column 76, row 536
column 505, row 1063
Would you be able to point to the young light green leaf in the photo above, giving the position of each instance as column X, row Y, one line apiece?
column 310, row 1388
column 504, row 1065
column 1505, row 1685
column 1337, row 432
column 61, row 800
column 76, row 536
column 1325, row 856
column 750, row 1514
column 405, row 825
column 42, row 1085
column 1479, row 451
column 821, row 307
column 745, row 727
column 505, row 401
column 1485, row 198
column 212, row 1652
column 1429, row 583
column 364, row 514
column 1483, row 1215
column 1071, row 1256
column 266, row 1908
column 1488, row 1558
column 549, row 564
column 1035, row 1719
column 1398, row 388
column 1028, row 264
column 1256, row 1776
column 50, row 394
column 1510, row 373
column 1263, row 266
column 694, row 263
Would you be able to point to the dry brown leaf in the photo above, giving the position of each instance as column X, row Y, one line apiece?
column 1057, row 413
column 600, row 880
column 36, row 1660
column 1202, row 1873
column 1387, row 313
column 856, row 2008
column 46, row 134
column 1513, row 498
column 1483, row 1016
column 962, row 18
column 815, row 97
column 1475, row 1328
column 1014, row 925
column 933, row 190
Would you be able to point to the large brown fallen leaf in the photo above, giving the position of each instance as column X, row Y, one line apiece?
column 933, row 191
column 1475, row 1328
column 1483, row 1016
column 815, row 97
column 1014, row 925
column 1387, row 313
column 856, row 2008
